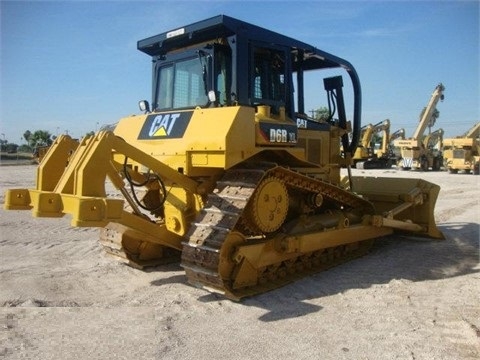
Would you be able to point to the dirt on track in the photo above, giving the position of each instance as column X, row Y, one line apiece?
column 62, row 298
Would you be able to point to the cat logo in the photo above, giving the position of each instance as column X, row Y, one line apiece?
column 165, row 125
column 301, row 123
column 162, row 125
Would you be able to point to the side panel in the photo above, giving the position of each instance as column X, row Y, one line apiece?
column 203, row 141
column 193, row 141
column 322, row 147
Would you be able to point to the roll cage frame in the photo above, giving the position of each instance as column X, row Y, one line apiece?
column 242, row 39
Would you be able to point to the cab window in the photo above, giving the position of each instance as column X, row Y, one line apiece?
column 268, row 77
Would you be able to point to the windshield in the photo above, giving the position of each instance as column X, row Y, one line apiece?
column 181, row 85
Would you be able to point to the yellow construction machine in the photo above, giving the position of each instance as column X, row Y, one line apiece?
column 39, row 153
column 366, row 157
column 224, row 170
column 416, row 152
column 395, row 152
column 463, row 152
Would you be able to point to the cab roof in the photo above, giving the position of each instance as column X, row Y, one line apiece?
column 225, row 26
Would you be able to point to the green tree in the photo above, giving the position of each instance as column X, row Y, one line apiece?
column 26, row 135
column 39, row 138
column 11, row 147
column 24, row 148
column 321, row 114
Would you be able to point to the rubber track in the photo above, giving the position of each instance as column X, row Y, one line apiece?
column 222, row 214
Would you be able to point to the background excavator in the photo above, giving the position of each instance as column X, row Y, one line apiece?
column 395, row 152
column 366, row 157
column 415, row 151
column 433, row 144
column 225, row 172
column 463, row 152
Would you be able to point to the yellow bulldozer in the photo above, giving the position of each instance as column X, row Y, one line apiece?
column 462, row 153
column 224, row 171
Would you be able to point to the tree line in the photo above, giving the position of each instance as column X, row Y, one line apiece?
column 33, row 140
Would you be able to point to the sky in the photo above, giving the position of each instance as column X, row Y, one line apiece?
column 73, row 66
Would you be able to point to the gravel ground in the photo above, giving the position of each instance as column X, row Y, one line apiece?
column 62, row 298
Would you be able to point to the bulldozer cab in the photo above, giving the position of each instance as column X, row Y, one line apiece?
column 222, row 62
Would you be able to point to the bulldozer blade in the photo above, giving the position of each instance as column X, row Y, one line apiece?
column 410, row 202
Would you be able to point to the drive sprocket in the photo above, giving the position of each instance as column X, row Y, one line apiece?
column 268, row 207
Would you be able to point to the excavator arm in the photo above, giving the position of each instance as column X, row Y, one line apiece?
column 433, row 139
column 400, row 133
column 367, row 134
column 384, row 127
